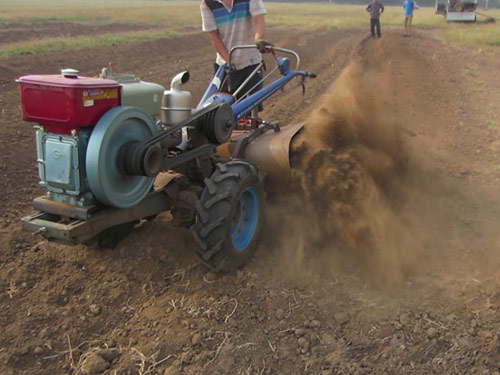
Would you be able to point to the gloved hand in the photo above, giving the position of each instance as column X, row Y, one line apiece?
column 230, row 69
column 262, row 44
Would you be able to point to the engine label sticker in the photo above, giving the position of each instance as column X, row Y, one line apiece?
column 98, row 94
column 88, row 103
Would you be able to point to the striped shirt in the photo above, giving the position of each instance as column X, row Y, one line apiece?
column 235, row 27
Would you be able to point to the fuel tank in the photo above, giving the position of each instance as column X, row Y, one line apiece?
column 136, row 93
column 66, row 102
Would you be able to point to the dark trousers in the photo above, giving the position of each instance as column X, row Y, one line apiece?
column 375, row 23
column 237, row 77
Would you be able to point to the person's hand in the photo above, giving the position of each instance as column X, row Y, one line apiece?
column 262, row 44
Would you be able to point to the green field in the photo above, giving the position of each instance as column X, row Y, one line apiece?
column 168, row 18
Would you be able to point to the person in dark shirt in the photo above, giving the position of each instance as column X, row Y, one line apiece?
column 375, row 9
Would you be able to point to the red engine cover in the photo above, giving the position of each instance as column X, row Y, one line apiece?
column 62, row 104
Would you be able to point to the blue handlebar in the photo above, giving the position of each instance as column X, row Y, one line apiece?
column 243, row 107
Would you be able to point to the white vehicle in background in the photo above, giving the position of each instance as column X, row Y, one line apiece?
column 457, row 10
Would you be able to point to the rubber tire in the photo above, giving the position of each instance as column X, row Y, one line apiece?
column 215, row 211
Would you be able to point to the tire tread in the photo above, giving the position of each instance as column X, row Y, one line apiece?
column 212, row 219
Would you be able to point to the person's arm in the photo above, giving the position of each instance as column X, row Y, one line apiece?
column 381, row 9
column 369, row 8
column 416, row 5
column 219, row 45
column 258, row 12
column 260, row 26
column 209, row 26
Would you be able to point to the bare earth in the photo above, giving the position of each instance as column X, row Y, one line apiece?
column 422, row 297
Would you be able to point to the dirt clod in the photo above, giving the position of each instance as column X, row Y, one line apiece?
column 108, row 354
column 280, row 314
column 93, row 364
column 304, row 344
column 38, row 350
column 341, row 318
column 172, row 370
column 404, row 319
column 431, row 332
column 95, row 309
column 196, row 339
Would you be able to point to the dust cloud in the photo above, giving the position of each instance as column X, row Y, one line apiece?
column 371, row 197
column 350, row 167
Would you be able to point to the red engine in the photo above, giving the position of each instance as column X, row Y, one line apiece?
column 62, row 103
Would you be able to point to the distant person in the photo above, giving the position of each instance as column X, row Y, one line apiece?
column 232, row 23
column 409, row 6
column 375, row 9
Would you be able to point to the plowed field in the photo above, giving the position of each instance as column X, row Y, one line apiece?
column 383, row 260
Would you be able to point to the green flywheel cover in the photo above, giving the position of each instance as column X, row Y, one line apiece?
column 108, row 181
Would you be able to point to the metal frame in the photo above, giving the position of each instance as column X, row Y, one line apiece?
column 72, row 231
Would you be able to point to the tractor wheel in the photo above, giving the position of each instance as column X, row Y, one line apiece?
column 229, row 215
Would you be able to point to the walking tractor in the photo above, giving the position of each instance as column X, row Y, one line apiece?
column 114, row 150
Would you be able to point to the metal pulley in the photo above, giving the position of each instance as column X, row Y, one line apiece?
column 107, row 176
column 218, row 125
column 142, row 156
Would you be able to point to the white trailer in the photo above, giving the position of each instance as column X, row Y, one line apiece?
column 457, row 10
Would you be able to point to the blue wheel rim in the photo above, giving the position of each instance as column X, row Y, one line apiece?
column 245, row 219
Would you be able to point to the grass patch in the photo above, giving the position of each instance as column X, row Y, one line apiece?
column 492, row 124
column 167, row 13
column 48, row 20
column 322, row 15
column 469, row 71
column 173, row 15
column 177, row 13
column 496, row 168
column 477, row 34
column 62, row 44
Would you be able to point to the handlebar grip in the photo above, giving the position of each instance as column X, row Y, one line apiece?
column 311, row 75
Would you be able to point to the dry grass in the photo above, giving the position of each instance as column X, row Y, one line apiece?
column 171, row 13
column 61, row 44
column 168, row 16
column 474, row 35
column 321, row 15
column 32, row 47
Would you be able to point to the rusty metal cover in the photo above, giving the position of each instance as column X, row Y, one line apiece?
column 271, row 153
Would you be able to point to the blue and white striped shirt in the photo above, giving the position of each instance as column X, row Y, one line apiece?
column 235, row 27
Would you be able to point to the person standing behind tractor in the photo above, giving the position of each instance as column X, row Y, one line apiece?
column 409, row 6
column 232, row 23
column 375, row 9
